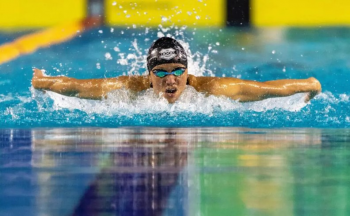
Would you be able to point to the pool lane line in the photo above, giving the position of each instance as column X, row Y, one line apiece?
column 31, row 42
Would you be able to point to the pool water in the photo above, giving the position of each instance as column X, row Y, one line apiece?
column 199, row 156
column 256, row 54
column 169, row 171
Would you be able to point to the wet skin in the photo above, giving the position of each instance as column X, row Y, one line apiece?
column 170, row 86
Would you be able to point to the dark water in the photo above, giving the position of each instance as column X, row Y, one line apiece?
column 174, row 171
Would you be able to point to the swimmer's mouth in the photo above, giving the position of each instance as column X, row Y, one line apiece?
column 170, row 91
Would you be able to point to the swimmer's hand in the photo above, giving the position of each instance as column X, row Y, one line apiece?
column 315, row 89
column 37, row 79
column 60, row 84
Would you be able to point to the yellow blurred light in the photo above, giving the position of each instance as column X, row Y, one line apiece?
column 40, row 13
column 300, row 12
column 166, row 12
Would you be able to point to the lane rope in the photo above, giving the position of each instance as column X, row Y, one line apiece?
column 30, row 43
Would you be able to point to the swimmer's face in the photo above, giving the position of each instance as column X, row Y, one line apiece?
column 170, row 86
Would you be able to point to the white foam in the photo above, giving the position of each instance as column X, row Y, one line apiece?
column 123, row 103
column 4, row 98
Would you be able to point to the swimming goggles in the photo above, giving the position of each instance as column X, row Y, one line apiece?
column 162, row 73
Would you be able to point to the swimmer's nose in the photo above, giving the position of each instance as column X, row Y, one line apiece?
column 170, row 80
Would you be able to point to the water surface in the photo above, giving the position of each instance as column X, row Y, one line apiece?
column 174, row 171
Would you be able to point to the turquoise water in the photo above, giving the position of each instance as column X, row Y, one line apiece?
column 200, row 156
column 168, row 171
column 257, row 54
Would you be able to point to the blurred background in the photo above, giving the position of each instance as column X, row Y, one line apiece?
column 257, row 13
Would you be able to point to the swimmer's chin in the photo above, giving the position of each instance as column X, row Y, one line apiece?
column 171, row 98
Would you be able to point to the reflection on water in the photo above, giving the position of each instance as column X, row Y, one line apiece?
column 139, row 178
column 169, row 171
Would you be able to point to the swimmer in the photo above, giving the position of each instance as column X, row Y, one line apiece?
column 168, row 76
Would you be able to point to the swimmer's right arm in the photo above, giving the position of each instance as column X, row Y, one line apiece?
column 87, row 88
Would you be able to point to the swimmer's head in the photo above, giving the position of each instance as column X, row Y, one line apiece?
column 166, row 50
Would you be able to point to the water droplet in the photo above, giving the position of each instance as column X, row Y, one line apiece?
column 164, row 19
column 114, row 3
column 100, row 31
column 189, row 13
column 112, row 29
column 108, row 56
column 273, row 51
column 217, row 44
column 243, row 48
column 198, row 17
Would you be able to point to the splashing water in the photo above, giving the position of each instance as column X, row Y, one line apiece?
column 136, row 61
column 123, row 103
column 192, row 109
column 22, row 106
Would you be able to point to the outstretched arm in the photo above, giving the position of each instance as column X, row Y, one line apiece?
column 87, row 88
column 246, row 90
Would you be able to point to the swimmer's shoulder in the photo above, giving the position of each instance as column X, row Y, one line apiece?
column 201, row 83
column 137, row 82
column 133, row 82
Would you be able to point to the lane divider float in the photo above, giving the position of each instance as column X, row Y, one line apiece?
column 30, row 43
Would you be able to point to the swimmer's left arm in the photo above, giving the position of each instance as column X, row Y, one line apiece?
column 246, row 90
column 89, row 89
